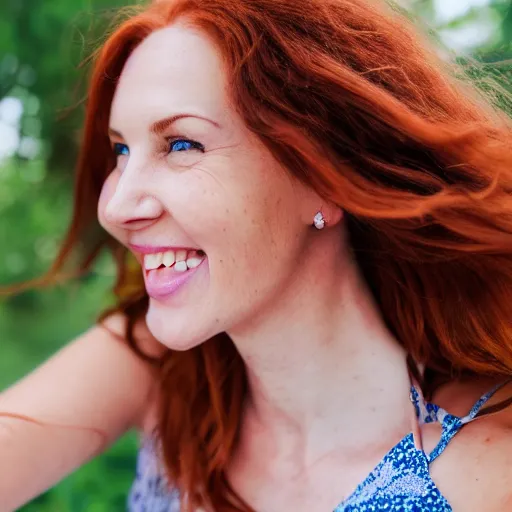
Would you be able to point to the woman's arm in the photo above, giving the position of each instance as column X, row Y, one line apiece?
column 95, row 384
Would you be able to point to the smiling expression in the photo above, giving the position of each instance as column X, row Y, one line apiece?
column 220, row 228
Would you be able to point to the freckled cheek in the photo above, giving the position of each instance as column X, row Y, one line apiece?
column 224, row 218
column 209, row 211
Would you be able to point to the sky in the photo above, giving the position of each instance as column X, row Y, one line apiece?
column 472, row 34
column 450, row 9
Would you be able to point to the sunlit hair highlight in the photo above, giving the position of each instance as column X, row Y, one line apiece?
column 348, row 98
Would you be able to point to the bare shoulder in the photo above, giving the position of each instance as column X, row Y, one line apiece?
column 95, row 380
column 146, row 420
column 491, row 438
column 475, row 471
column 71, row 407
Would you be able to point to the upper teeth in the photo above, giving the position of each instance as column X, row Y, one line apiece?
column 191, row 259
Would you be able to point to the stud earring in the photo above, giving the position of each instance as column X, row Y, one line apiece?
column 319, row 221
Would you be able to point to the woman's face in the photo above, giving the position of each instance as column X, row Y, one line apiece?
column 220, row 228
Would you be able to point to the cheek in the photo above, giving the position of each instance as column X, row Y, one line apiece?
column 247, row 229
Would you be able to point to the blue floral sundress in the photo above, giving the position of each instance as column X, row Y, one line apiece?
column 401, row 481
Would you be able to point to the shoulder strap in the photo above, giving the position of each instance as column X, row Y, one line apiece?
column 477, row 408
column 451, row 424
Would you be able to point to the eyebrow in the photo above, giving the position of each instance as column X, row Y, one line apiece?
column 160, row 126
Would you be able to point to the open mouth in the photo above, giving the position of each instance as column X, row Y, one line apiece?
column 179, row 260
column 168, row 271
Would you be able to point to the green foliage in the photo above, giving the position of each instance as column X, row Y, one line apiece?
column 42, row 43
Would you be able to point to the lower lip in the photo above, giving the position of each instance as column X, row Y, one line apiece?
column 163, row 283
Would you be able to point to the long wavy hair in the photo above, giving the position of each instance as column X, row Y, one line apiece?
column 350, row 100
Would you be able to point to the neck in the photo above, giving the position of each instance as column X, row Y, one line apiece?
column 323, row 363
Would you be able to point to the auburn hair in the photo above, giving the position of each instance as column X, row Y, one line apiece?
column 349, row 99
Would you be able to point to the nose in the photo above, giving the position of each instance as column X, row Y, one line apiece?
column 131, row 206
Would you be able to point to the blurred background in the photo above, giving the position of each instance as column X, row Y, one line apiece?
column 42, row 43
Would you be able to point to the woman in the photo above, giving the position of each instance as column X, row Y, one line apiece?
column 323, row 218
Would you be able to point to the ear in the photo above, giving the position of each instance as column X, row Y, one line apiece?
column 312, row 203
column 333, row 214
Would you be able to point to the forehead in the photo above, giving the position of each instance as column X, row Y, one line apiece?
column 174, row 69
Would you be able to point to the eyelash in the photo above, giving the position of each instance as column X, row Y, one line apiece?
column 193, row 144
column 119, row 148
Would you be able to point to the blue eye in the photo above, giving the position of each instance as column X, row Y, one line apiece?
column 121, row 149
column 184, row 145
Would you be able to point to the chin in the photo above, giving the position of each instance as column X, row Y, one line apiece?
column 174, row 330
